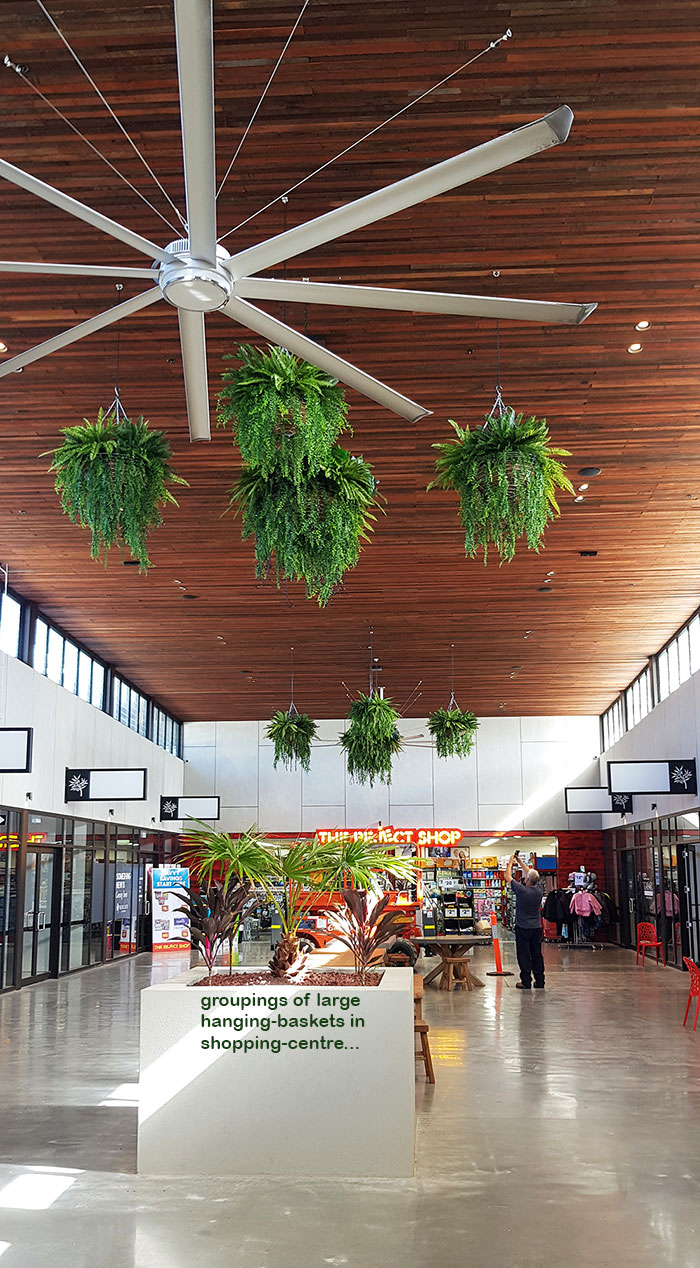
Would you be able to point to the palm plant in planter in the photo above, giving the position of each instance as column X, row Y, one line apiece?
column 292, row 733
column 112, row 477
column 285, row 413
column 454, row 730
column 313, row 530
column 372, row 739
column 304, row 869
column 507, row 475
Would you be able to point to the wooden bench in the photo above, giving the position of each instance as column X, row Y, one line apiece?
column 421, row 1028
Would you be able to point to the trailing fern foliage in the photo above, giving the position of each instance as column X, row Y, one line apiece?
column 372, row 739
column 285, row 413
column 507, row 475
column 292, row 733
column 112, row 477
column 311, row 531
column 454, row 731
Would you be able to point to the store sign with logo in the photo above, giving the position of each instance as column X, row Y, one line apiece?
column 189, row 808
column 110, row 784
column 679, row 775
column 584, row 801
column 391, row 836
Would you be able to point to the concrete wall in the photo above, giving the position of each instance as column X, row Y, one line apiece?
column 514, row 778
column 672, row 729
column 71, row 732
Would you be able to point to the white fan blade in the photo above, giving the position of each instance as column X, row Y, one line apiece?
column 194, row 367
column 194, row 34
column 276, row 331
column 75, row 270
column 489, row 157
column 412, row 301
column 74, row 208
column 79, row 332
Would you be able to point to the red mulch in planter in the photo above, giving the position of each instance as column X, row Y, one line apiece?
column 310, row 978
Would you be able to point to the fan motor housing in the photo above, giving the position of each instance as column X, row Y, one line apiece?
column 190, row 283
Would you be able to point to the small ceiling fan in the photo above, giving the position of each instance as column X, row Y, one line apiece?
column 196, row 275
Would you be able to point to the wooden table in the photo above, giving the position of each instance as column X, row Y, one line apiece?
column 453, row 969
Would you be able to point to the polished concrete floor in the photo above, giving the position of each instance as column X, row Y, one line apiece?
column 563, row 1130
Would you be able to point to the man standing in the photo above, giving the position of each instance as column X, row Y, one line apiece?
column 528, row 926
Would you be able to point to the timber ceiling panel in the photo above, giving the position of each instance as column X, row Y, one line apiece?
column 611, row 216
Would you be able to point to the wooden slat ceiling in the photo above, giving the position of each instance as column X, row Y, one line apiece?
column 611, row 216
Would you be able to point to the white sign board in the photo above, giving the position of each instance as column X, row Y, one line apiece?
column 83, row 784
column 584, row 801
column 190, row 808
column 16, row 749
column 675, row 776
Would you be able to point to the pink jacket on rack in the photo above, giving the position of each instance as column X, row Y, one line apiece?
column 585, row 904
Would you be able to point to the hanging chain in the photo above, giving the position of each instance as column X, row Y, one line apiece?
column 498, row 409
column 116, row 408
column 452, row 703
column 292, row 710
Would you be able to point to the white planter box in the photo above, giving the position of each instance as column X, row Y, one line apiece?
column 277, row 1098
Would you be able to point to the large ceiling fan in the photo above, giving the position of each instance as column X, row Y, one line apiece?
column 196, row 275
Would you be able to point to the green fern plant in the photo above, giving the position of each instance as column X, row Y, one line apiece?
column 285, row 413
column 291, row 734
column 112, row 477
column 311, row 531
column 454, row 731
column 372, row 739
column 507, row 475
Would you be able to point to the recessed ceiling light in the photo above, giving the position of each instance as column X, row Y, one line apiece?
column 582, row 488
column 189, row 596
column 635, row 347
column 503, row 705
column 3, row 346
column 551, row 574
column 642, row 325
column 589, row 472
column 579, row 498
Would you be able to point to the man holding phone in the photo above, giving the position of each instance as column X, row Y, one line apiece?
column 528, row 925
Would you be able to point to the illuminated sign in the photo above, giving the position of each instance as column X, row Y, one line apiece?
column 391, row 836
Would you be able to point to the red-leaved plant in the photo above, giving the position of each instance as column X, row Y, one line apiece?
column 365, row 930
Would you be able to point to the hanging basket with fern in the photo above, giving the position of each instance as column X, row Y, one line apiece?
column 372, row 739
column 453, row 730
column 112, row 477
column 291, row 733
column 507, row 475
column 313, row 530
column 285, row 413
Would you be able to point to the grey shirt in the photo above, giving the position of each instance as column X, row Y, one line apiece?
column 528, row 902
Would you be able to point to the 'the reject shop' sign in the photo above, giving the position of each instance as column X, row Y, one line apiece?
column 391, row 836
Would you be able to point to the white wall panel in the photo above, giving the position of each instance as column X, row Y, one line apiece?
column 498, row 761
column 502, row 784
column 200, row 771
column 315, row 817
column 412, row 776
column 202, row 733
column 237, row 818
column 280, row 795
column 365, row 806
column 454, row 780
column 324, row 785
column 236, row 769
column 494, row 818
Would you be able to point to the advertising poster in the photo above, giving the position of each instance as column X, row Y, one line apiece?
column 171, row 928
column 123, row 898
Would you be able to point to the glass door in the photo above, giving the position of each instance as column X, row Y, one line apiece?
column 41, row 924
column 690, row 891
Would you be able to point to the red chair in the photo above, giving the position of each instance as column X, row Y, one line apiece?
column 694, row 992
column 647, row 937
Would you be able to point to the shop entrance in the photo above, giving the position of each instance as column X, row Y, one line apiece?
column 40, row 922
column 691, row 907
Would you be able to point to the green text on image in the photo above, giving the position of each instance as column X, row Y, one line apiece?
column 271, row 1023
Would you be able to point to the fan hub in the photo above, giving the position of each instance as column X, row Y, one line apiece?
column 190, row 283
